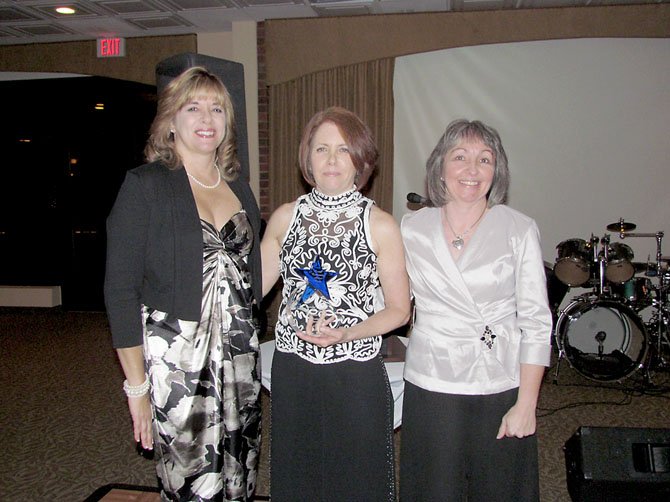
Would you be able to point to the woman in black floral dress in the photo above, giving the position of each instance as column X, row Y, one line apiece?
column 181, row 289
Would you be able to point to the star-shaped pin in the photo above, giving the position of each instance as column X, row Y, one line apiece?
column 316, row 280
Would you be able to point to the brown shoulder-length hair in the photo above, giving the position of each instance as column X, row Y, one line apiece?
column 457, row 131
column 193, row 83
column 356, row 134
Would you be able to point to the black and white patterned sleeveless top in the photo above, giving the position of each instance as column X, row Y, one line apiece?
column 329, row 268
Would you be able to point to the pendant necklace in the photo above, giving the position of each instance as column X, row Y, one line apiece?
column 218, row 180
column 458, row 242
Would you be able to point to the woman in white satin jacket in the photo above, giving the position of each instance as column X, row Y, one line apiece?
column 481, row 337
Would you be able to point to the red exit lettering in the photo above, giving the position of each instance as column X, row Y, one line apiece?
column 111, row 47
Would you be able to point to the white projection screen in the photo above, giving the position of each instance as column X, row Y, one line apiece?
column 585, row 124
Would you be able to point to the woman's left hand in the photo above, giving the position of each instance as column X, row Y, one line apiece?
column 518, row 422
column 320, row 333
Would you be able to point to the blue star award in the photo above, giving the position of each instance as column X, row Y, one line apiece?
column 314, row 300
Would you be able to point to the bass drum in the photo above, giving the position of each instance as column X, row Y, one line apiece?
column 602, row 340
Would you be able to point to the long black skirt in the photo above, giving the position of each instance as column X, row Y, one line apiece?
column 331, row 431
column 449, row 450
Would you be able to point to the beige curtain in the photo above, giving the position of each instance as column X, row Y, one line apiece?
column 366, row 89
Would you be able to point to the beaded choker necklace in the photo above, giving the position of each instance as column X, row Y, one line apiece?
column 333, row 202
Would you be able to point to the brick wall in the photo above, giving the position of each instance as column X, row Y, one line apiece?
column 263, row 126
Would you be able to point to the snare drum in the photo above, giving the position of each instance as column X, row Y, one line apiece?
column 573, row 264
column 620, row 266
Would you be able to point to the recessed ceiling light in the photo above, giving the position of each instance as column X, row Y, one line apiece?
column 65, row 10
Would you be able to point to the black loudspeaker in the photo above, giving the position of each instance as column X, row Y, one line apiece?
column 616, row 464
column 232, row 76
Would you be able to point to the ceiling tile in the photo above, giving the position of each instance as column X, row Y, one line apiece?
column 14, row 14
column 130, row 7
column 200, row 4
column 81, row 10
column 43, row 29
column 153, row 22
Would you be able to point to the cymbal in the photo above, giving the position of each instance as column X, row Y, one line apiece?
column 621, row 226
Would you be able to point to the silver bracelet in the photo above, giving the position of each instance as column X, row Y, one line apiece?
column 136, row 390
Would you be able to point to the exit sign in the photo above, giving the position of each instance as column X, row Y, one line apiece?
column 111, row 47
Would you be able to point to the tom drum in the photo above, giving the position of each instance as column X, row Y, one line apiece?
column 620, row 266
column 636, row 292
column 573, row 262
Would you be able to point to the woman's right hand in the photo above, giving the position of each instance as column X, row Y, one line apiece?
column 320, row 333
column 140, row 411
column 132, row 362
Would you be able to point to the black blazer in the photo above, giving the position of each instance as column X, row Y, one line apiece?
column 155, row 249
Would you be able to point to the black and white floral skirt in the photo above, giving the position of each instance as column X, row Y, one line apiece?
column 205, row 383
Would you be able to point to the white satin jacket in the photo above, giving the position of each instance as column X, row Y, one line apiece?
column 476, row 319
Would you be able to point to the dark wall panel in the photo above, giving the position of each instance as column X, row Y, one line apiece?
column 64, row 162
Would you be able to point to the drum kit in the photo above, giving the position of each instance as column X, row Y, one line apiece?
column 602, row 333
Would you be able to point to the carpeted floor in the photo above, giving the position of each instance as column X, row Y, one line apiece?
column 65, row 428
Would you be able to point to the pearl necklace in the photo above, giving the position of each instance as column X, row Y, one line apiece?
column 218, row 181
column 458, row 242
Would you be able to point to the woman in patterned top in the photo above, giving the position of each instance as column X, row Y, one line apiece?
column 344, row 285
column 182, row 281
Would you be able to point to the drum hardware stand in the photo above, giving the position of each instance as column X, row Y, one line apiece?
column 561, row 355
column 658, row 325
column 659, row 317
column 561, row 351
column 602, row 259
